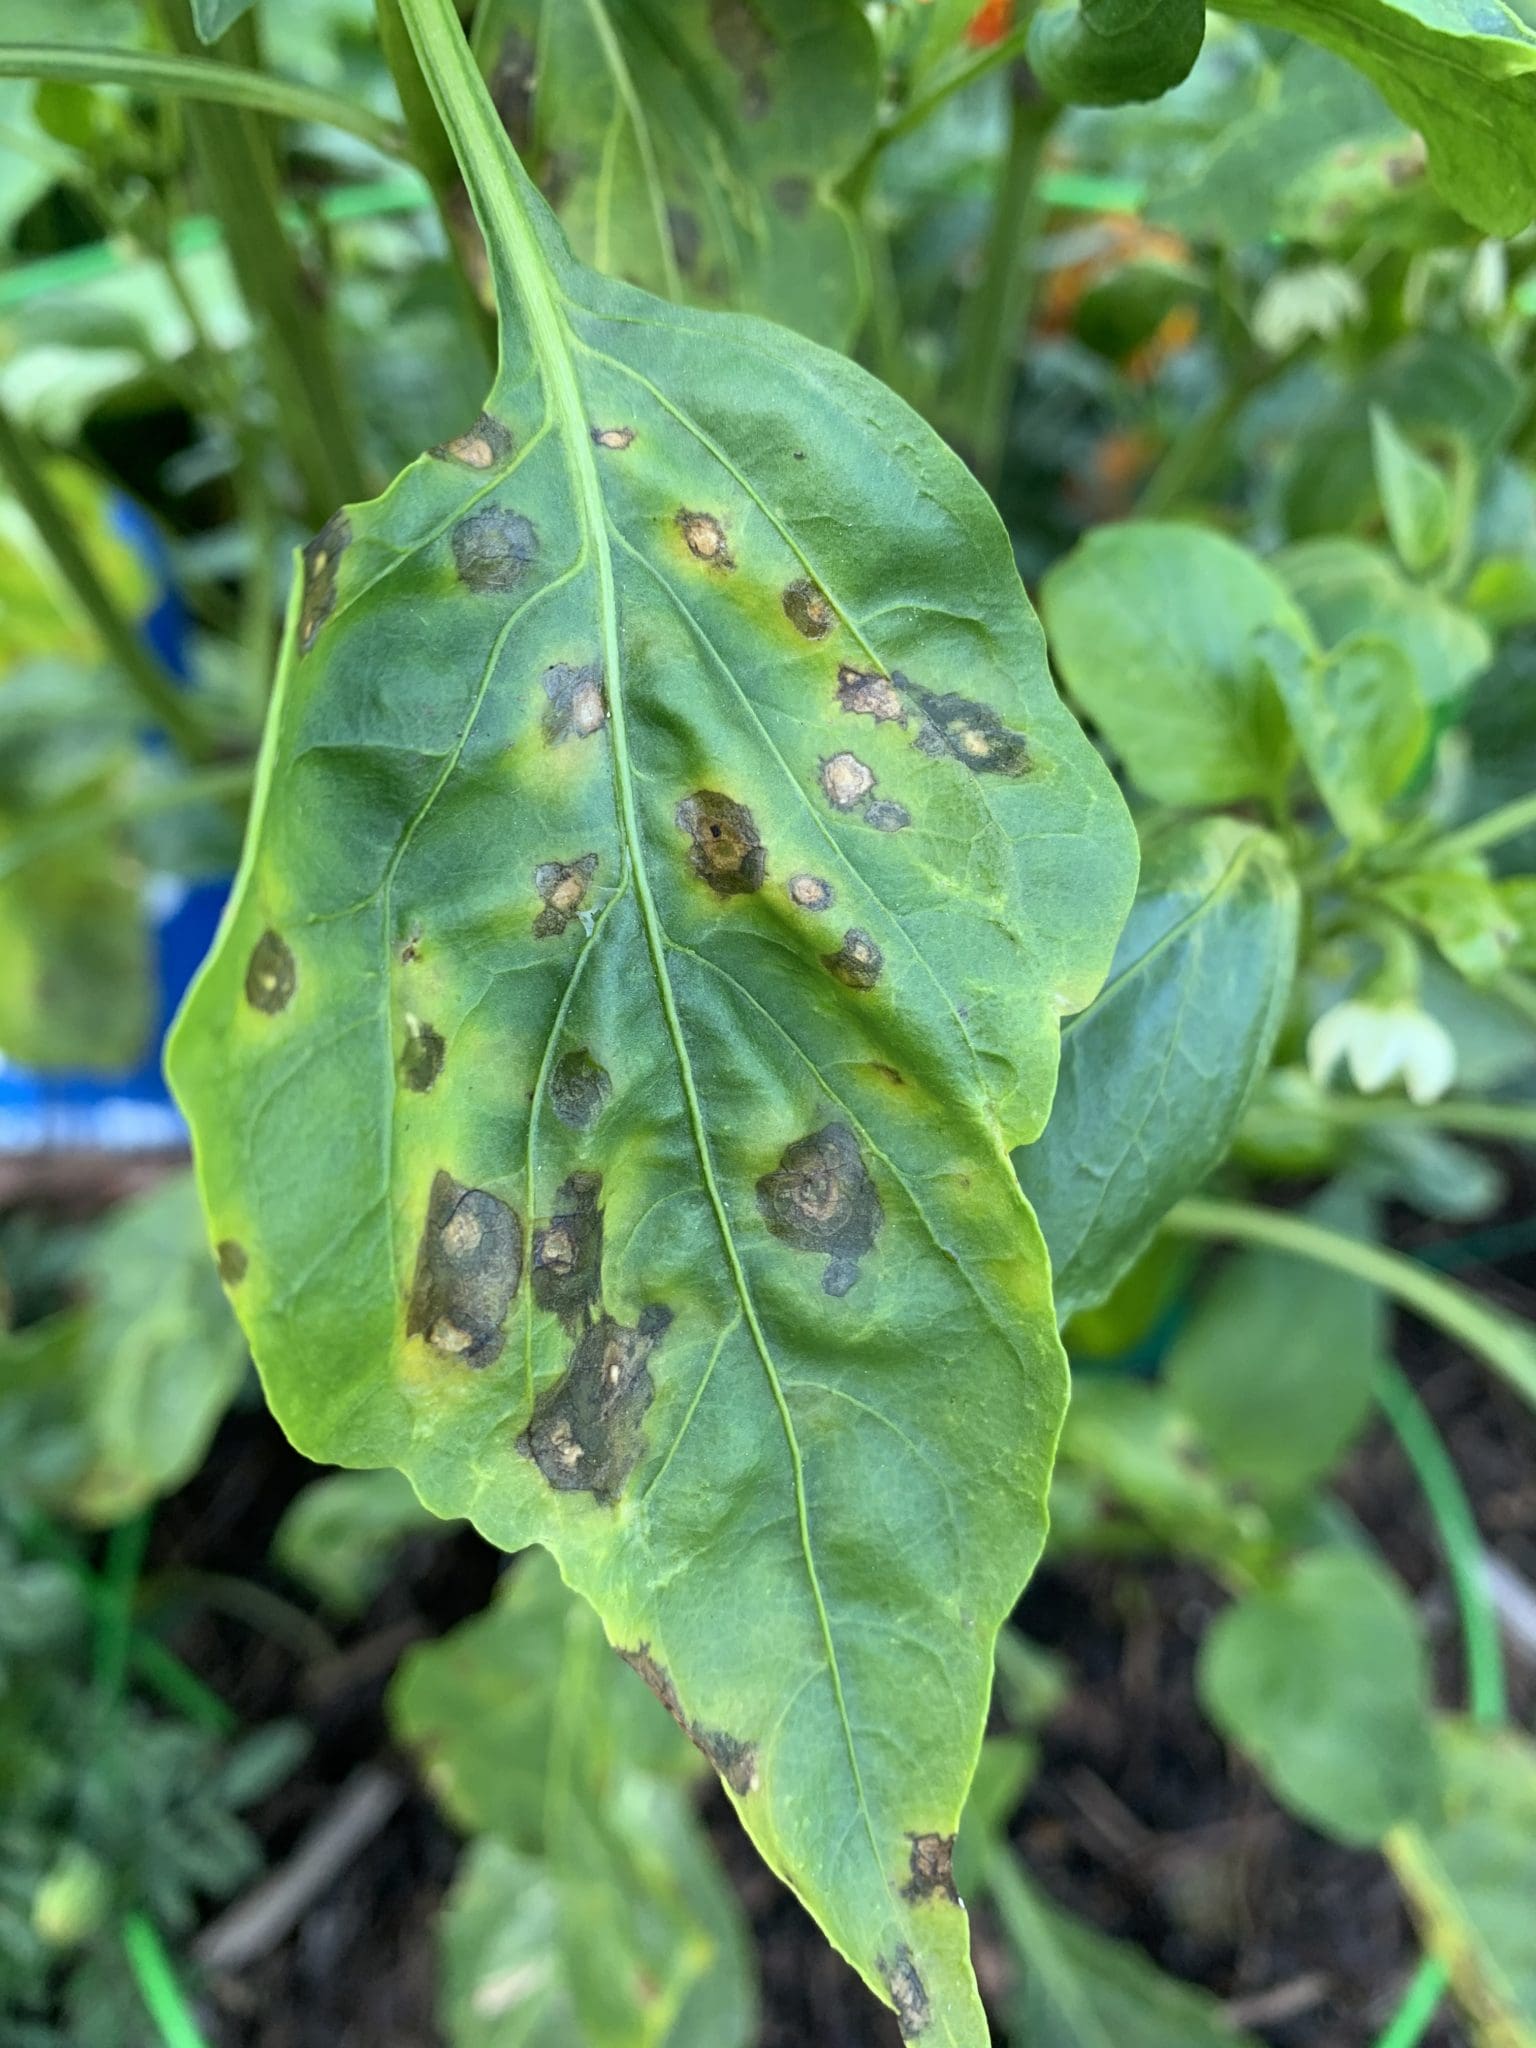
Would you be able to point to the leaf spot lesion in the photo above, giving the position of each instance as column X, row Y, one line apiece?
column 728, row 852
column 421, row 1057
column 617, row 438
column 868, row 694
column 857, row 963
column 485, row 444
column 468, row 1266
column 585, row 1431
column 577, row 707
column 562, row 887
column 706, row 538
column 735, row 1760
column 806, row 608
column 493, row 548
column 972, row 732
column 566, row 1274
column 820, row 1199
column 579, row 1089
column 271, row 975
column 810, row 892
column 908, row 1992
column 931, row 1869
column 321, row 558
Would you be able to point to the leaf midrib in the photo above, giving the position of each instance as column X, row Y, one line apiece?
column 493, row 174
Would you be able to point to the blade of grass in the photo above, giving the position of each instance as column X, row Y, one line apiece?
column 158, row 1985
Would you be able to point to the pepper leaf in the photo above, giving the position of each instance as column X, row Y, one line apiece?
column 669, row 867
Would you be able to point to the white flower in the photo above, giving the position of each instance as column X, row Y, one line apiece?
column 1380, row 1042
column 1319, row 299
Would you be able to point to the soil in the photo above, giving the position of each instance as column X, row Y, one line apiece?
column 1139, row 1819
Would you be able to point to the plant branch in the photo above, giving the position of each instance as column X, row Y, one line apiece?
column 150, row 683
column 199, row 78
column 1507, row 822
column 1501, row 1341
column 1512, row 1123
column 158, row 1985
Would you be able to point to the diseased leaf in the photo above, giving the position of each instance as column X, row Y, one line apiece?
column 1323, row 1681
column 694, row 147
column 670, row 868
column 1275, row 1377
column 1461, row 72
column 1154, row 1074
column 1470, row 1877
column 531, row 1729
column 1156, row 630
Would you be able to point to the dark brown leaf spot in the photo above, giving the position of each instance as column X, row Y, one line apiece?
column 735, row 1761
column 579, row 1089
column 613, row 437
column 810, row 892
column 492, row 548
column 584, row 1434
column 909, row 1995
column 421, row 1057
column 321, row 556
column 846, row 781
column 857, row 962
column 576, row 708
column 687, row 237
column 727, row 852
column 271, row 976
column 886, row 816
column 746, row 45
column 232, row 1261
column 485, row 444
column 706, row 538
column 820, row 1199
column 866, row 694
column 563, row 885
column 467, row 1270
column 972, row 732
column 807, row 609
column 792, row 196
column 932, row 1869
column 568, row 1252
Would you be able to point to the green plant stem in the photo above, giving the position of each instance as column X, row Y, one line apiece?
column 126, row 1545
column 432, row 154
column 202, row 785
column 1505, row 1344
column 1000, row 306
column 1511, row 1123
column 239, row 175
column 199, row 78
column 917, row 111
column 1411, row 2022
column 1456, row 1527
column 150, row 683
column 158, row 1985
column 1507, row 822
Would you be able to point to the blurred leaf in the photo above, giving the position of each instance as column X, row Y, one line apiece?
column 1414, row 495
column 1154, row 1073
column 1155, row 629
column 1003, row 1771
column 38, row 613
column 480, row 1708
column 213, row 17
column 696, row 149
column 1276, row 1377
column 1517, row 894
column 1080, row 1989
column 1470, row 1877
column 1348, row 588
column 1321, row 161
column 1322, row 1681
column 1360, row 722
column 616, row 1922
column 1462, row 74
column 1462, row 910
column 340, row 1535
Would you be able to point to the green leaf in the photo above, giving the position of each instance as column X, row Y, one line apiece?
column 1360, row 722
column 1154, row 1074
column 1415, row 497
column 212, row 17
column 616, row 1917
column 670, row 866
column 1323, row 1682
column 1156, row 628
column 1080, row 1989
column 340, row 1535
column 1346, row 587
column 153, row 1361
column 1276, row 1377
column 1461, row 72
column 696, row 149
column 1470, row 1877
